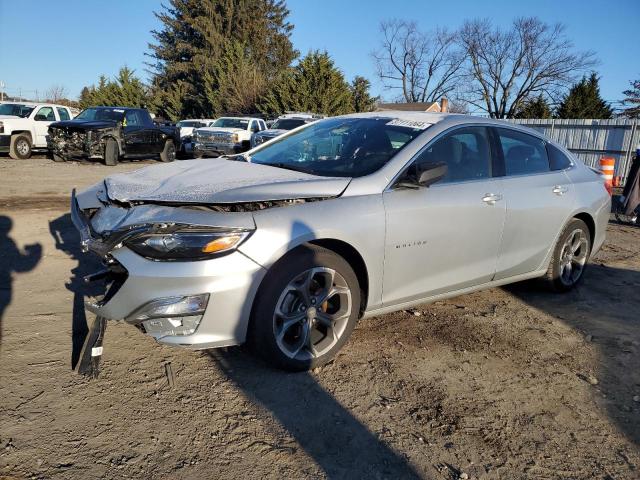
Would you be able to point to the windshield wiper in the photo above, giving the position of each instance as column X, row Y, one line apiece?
column 288, row 166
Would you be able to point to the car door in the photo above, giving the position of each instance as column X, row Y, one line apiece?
column 445, row 237
column 538, row 200
column 135, row 137
column 44, row 116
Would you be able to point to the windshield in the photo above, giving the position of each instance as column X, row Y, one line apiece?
column 287, row 123
column 114, row 114
column 231, row 123
column 16, row 109
column 340, row 147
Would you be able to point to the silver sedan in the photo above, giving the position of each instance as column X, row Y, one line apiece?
column 287, row 246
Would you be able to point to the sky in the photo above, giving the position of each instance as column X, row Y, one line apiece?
column 72, row 42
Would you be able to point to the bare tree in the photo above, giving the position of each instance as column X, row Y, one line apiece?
column 56, row 93
column 423, row 66
column 505, row 67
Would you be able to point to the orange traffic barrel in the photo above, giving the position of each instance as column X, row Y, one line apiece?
column 608, row 166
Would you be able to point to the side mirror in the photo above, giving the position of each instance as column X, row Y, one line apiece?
column 40, row 118
column 423, row 175
column 430, row 173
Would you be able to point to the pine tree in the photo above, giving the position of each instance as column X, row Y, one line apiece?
column 584, row 101
column 362, row 100
column 126, row 90
column 632, row 96
column 536, row 107
column 197, row 36
column 314, row 85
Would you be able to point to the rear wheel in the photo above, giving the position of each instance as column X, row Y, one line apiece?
column 111, row 152
column 305, row 310
column 169, row 152
column 20, row 147
column 570, row 257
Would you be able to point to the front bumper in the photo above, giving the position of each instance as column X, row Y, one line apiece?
column 5, row 142
column 216, row 149
column 231, row 282
column 75, row 146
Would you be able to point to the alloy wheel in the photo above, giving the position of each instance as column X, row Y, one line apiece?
column 312, row 313
column 573, row 257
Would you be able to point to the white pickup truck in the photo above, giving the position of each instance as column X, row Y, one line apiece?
column 24, row 125
column 227, row 135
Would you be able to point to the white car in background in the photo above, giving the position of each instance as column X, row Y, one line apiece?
column 24, row 126
column 283, row 124
column 226, row 136
column 186, row 128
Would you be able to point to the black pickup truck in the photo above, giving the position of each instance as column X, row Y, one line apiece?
column 112, row 133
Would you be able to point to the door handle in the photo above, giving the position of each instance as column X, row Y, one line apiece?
column 560, row 190
column 491, row 198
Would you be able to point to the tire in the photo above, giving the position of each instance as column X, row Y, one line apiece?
column 318, row 323
column 58, row 158
column 20, row 147
column 111, row 152
column 169, row 152
column 570, row 256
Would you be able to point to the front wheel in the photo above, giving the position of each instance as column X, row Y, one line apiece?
column 305, row 310
column 20, row 147
column 111, row 153
column 570, row 257
column 169, row 152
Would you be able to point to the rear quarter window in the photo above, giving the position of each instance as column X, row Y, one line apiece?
column 557, row 159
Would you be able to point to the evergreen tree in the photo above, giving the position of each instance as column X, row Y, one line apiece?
column 632, row 96
column 584, row 101
column 537, row 107
column 126, row 90
column 362, row 100
column 198, row 36
column 313, row 85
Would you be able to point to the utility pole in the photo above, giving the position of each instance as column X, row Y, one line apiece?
column 2, row 85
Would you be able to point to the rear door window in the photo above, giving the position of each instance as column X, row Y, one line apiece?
column 63, row 114
column 523, row 154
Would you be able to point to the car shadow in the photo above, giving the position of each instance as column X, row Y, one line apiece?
column 336, row 440
column 67, row 240
column 13, row 260
column 604, row 307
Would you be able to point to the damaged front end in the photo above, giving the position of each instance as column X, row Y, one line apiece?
column 73, row 142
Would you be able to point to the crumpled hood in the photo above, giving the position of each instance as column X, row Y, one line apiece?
column 85, row 124
column 216, row 181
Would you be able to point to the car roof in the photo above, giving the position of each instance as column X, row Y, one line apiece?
column 33, row 104
column 447, row 119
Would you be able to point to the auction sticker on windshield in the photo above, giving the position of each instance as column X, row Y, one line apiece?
column 398, row 122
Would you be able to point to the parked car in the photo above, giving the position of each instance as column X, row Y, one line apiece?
column 227, row 135
column 282, row 124
column 110, row 134
column 346, row 218
column 23, row 126
column 186, row 128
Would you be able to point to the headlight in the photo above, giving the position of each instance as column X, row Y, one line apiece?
column 187, row 245
column 235, row 138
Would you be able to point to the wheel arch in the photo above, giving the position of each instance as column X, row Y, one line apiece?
column 22, row 132
column 354, row 259
column 591, row 224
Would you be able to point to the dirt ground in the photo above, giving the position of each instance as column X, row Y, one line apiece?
column 509, row 383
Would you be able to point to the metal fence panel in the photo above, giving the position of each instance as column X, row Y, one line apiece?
column 590, row 140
